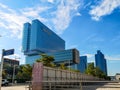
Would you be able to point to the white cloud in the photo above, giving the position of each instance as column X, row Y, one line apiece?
column 88, row 55
column 115, row 57
column 51, row 1
column 105, row 7
column 35, row 12
column 57, row 16
column 66, row 10
column 11, row 20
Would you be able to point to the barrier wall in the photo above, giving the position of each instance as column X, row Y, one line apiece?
column 58, row 75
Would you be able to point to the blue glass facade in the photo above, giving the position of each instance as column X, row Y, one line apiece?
column 38, row 38
column 101, row 61
column 26, row 37
column 82, row 66
column 65, row 56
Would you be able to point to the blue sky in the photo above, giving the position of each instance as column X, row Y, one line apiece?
column 87, row 25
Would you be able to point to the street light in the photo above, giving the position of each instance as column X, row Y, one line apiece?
column 14, row 69
column 1, row 68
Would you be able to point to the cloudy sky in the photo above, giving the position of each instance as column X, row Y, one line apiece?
column 88, row 25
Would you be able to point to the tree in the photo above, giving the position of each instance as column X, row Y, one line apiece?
column 95, row 71
column 90, row 69
column 25, row 72
column 46, row 60
column 62, row 66
column 7, row 71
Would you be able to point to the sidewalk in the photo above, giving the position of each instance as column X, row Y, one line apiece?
column 20, row 87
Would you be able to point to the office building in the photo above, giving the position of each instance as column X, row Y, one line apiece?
column 101, row 61
column 11, row 62
column 69, row 57
column 82, row 66
column 39, row 39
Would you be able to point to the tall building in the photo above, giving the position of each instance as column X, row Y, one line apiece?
column 101, row 61
column 82, row 66
column 38, row 39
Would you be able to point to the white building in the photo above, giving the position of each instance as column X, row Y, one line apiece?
column 117, row 76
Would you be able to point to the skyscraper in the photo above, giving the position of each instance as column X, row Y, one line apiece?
column 101, row 61
column 82, row 66
column 26, row 37
column 39, row 39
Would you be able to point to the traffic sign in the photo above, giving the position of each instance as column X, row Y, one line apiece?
column 8, row 52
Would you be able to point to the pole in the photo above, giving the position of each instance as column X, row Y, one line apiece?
column 14, row 70
column 13, row 74
column 69, row 65
column 1, row 68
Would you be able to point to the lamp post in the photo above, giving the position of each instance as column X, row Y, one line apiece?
column 14, row 69
column 1, row 68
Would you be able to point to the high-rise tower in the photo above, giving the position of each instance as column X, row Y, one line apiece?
column 82, row 66
column 101, row 61
column 39, row 39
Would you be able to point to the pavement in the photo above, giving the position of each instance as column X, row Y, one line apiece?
column 19, row 87
column 108, row 86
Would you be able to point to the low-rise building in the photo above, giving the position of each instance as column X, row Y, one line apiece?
column 117, row 76
column 11, row 62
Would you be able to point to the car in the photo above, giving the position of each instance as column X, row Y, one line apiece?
column 5, row 82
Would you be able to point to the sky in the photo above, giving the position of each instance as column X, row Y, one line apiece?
column 88, row 25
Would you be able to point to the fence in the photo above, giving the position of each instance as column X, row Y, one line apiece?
column 58, row 79
column 65, row 75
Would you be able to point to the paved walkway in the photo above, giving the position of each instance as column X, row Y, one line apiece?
column 20, row 87
column 108, row 86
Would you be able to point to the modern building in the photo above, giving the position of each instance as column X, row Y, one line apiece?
column 101, row 61
column 11, row 62
column 39, row 39
column 68, row 57
column 117, row 76
column 82, row 66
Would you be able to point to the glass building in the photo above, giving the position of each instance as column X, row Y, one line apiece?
column 82, row 66
column 26, row 37
column 101, row 61
column 39, row 39
column 68, row 57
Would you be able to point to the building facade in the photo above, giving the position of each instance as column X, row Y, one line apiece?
column 11, row 62
column 69, row 57
column 117, row 76
column 101, row 61
column 82, row 66
column 39, row 39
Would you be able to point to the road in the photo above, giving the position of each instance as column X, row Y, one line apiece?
column 109, row 86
